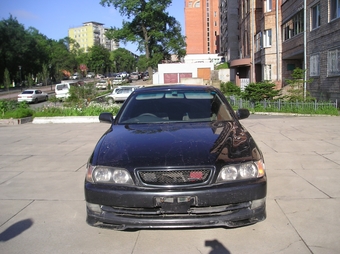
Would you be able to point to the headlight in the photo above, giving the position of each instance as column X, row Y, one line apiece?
column 102, row 174
column 241, row 171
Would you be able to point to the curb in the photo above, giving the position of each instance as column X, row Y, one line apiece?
column 16, row 121
column 66, row 119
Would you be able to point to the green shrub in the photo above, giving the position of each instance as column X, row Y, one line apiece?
column 18, row 113
column 260, row 91
column 7, row 108
column 229, row 88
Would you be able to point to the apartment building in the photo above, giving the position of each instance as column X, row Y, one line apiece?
column 259, row 49
column 202, row 26
column 323, row 49
column 277, row 36
column 92, row 33
column 229, row 32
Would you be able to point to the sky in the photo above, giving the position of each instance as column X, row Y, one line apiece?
column 53, row 18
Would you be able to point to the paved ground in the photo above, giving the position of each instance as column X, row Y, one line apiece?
column 42, row 208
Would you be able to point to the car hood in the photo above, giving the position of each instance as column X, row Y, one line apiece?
column 171, row 145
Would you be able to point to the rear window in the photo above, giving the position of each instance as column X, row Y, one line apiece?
column 61, row 87
column 27, row 92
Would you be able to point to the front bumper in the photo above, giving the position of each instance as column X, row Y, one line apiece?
column 210, row 206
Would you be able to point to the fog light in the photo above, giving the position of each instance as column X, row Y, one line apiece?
column 258, row 203
column 93, row 207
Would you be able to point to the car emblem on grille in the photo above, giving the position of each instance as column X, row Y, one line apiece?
column 196, row 175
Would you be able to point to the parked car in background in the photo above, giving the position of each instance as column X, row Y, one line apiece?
column 145, row 76
column 102, row 84
column 32, row 96
column 100, row 76
column 62, row 90
column 175, row 156
column 134, row 75
column 120, row 94
column 90, row 75
column 118, row 80
column 75, row 76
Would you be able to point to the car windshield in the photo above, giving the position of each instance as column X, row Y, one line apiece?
column 173, row 106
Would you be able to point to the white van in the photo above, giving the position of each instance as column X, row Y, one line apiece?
column 62, row 90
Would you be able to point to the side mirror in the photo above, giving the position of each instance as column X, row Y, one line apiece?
column 242, row 113
column 106, row 117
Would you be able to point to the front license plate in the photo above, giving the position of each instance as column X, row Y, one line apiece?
column 175, row 204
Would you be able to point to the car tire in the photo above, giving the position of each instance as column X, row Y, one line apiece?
column 36, row 100
column 110, row 101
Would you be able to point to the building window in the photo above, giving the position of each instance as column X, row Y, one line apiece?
column 190, row 4
column 268, row 5
column 267, row 72
column 316, row 16
column 267, row 38
column 314, row 65
column 333, row 62
column 335, row 9
column 258, row 42
column 197, row 4
column 293, row 27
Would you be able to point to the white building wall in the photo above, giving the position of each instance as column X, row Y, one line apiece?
column 158, row 78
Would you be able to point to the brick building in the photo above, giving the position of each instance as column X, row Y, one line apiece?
column 277, row 36
column 323, row 49
column 259, row 42
column 202, row 26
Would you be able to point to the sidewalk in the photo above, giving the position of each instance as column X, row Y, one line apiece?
column 43, row 209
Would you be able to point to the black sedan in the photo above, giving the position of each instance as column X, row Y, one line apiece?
column 175, row 156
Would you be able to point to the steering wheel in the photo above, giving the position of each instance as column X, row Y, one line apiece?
column 147, row 114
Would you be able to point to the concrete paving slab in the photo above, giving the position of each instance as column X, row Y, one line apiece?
column 317, row 221
column 280, row 161
column 286, row 184
column 43, row 211
column 10, row 208
column 326, row 181
column 56, row 163
column 44, row 186
column 59, row 227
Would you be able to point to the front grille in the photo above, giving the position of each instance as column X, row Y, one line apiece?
column 174, row 177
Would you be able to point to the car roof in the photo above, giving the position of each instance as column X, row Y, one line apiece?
column 181, row 87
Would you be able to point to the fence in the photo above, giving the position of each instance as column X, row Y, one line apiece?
column 283, row 106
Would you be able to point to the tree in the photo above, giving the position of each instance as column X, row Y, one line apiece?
column 14, row 46
column 45, row 74
column 7, row 79
column 123, row 60
column 99, row 59
column 156, row 32
column 260, row 91
column 296, row 86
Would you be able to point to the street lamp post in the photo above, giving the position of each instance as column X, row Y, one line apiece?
column 20, row 77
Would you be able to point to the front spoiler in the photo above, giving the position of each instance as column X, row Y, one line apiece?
column 231, row 219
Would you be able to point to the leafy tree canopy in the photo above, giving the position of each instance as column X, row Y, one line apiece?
column 150, row 26
column 123, row 60
column 99, row 59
